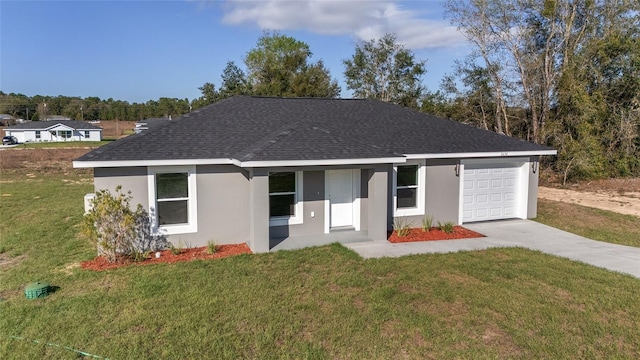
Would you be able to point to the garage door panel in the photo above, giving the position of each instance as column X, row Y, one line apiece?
column 490, row 191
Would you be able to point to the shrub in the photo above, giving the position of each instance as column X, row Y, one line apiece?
column 446, row 227
column 117, row 230
column 427, row 223
column 211, row 247
column 401, row 226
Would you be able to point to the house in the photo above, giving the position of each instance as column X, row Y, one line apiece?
column 63, row 130
column 263, row 170
column 150, row 123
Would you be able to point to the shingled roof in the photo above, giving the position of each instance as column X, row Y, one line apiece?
column 43, row 125
column 260, row 129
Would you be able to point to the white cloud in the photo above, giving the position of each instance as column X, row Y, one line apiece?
column 365, row 20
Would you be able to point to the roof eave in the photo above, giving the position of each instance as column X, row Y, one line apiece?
column 133, row 163
column 323, row 162
column 491, row 154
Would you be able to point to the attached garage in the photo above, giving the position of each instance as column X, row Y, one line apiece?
column 493, row 189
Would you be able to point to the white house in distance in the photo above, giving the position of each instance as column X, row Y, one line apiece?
column 64, row 130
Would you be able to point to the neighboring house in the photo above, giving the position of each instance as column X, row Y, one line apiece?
column 150, row 123
column 64, row 130
column 259, row 170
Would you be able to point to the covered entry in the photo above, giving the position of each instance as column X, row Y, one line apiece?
column 342, row 207
column 493, row 189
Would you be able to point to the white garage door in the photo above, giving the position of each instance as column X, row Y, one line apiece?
column 490, row 191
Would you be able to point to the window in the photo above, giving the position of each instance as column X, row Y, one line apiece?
column 285, row 205
column 37, row 134
column 172, row 199
column 87, row 134
column 409, row 183
column 66, row 134
column 407, row 186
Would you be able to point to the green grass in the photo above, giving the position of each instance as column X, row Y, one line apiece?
column 319, row 303
column 63, row 144
column 589, row 222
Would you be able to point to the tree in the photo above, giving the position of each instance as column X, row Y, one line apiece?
column 279, row 65
column 385, row 70
column 234, row 81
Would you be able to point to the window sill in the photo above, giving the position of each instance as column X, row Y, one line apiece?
column 176, row 229
column 284, row 221
column 409, row 212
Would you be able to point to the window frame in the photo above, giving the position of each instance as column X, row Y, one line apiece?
column 297, row 217
column 38, row 135
column 87, row 134
column 192, row 200
column 420, row 193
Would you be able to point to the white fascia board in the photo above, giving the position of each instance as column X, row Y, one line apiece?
column 327, row 162
column 481, row 154
column 59, row 126
column 129, row 163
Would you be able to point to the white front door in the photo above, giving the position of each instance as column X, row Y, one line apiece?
column 340, row 195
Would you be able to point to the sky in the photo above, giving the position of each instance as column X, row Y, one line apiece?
column 143, row 50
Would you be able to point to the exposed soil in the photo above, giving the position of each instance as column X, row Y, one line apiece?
column 606, row 195
column 166, row 256
column 434, row 234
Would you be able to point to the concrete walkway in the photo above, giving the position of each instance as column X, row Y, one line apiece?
column 518, row 233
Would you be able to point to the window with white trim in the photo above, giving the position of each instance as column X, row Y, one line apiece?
column 38, row 134
column 285, row 203
column 409, row 183
column 407, row 186
column 87, row 134
column 172, row 199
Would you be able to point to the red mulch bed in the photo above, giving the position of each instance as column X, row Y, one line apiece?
column 434, row 234
column 166, row 256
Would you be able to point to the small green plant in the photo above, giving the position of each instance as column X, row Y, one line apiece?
column 446, row 227
column 427, row 223
column 401, row 226
column 211, row 247
column 176, row 249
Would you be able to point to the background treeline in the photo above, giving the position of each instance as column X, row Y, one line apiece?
column 560, row 73
column 91, row 108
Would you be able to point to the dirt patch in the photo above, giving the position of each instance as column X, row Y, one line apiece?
column 7, row 261
column 40, row 160
column 116, row 129
column 166, row 256
column 608, row 198
column 434, row 234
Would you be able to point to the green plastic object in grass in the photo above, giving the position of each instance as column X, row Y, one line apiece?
column 36, row 290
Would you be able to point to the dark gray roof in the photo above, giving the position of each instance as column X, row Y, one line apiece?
column 41, row 125
column 249, row 128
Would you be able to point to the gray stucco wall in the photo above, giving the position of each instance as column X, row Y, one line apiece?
column 441, row 195
column 223, row 200
column 312, row 201
column 379, row 218
column 442, row 190
column 532, row 202
column 132, row 179
column 223, row 206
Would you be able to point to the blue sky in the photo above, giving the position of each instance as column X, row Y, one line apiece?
column 144, row 50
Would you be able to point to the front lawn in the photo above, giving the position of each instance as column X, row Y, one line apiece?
column 63, row 144
column 589, row 222
column 315, row 303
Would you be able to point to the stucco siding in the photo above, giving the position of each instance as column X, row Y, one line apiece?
column 312, row 202
column 442, row 191
column 534, row 172
column 132, row 179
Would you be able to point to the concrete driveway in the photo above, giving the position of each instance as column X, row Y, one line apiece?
column 518, row 233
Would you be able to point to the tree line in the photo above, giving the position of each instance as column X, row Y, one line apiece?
column 562, row 73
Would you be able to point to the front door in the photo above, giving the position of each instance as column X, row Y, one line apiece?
column 340, row 194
